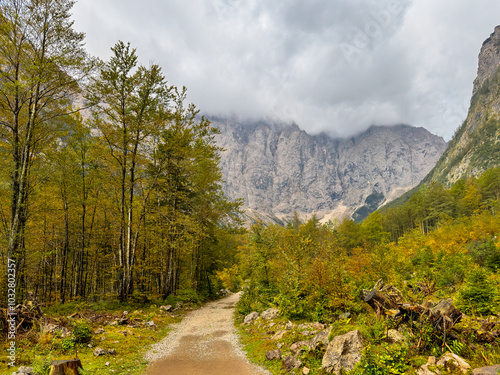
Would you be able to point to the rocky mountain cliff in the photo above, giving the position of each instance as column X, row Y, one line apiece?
column 278, row 169
column 475, row 146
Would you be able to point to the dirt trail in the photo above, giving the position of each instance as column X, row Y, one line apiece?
column 204, row 343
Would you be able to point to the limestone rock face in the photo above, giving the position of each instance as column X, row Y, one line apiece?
column 343, row 352
column 489, row 59
column 474, row 147
column 277, row 168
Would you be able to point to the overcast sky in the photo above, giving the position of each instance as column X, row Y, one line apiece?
column 329, row 65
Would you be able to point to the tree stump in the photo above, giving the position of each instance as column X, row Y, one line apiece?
column 65, row 367
column 382, row 297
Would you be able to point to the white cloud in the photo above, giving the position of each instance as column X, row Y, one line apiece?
column 329, row 65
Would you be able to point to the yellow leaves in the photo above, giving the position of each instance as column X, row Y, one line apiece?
column 230, row 277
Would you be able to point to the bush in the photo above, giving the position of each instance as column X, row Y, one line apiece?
column 478, row 294
column 188, row 295
column 82, row 333
column 383, row 361
column 486, row 253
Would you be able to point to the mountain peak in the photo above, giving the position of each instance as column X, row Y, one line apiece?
column 279, row 170
column 475, row 146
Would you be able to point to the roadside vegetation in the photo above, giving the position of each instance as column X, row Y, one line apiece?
column 442, row 244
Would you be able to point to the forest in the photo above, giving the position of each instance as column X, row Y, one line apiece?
column 441, row 246
column 444, row 240
column 110, row 185
column 111, row 190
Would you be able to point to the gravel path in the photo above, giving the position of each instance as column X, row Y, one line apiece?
column 205, row 342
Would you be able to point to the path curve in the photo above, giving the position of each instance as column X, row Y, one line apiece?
column 204, row 343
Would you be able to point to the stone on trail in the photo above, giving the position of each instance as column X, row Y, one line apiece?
column 343, row 352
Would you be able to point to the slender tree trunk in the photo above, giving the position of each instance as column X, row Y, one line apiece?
column 65, row 250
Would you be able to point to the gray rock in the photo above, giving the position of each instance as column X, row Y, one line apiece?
column 166, row 308
column 345, row 316
column 98, row 331
column 318, row 326
column 250, row 317
column 297, row 347
column 100, row 351
column 321, row 339
column 306, row 371
column 452, row 362
column 424, row 369
column 151, row 324
column 488, row 370
column 279, row 335
column 270, row 314
column 55, row 329
column 111, row 351
column 278, row 169
column 343, row 352
column 309, row 333
column 303, row 326
column 273, row 354
column 394, row 336
column 291, row 363
column 23, row 370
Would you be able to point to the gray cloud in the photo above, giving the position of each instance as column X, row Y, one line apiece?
column 329, row 65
